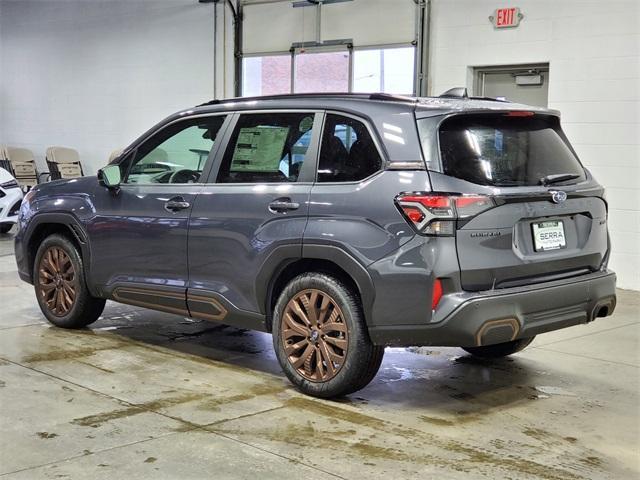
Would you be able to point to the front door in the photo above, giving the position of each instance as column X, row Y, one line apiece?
column 139, row 233
column 251, row 214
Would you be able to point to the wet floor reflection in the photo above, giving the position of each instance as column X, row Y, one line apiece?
column 445, row 379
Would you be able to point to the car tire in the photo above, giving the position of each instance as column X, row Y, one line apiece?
column 341, row 335
column 5, row 227
column 60, row 285
column 499, row 350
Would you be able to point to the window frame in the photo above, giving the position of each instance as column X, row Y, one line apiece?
column 374, row 137
column 308, row 171
column 131, row 152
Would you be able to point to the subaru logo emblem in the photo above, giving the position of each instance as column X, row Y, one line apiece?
column 558, row 196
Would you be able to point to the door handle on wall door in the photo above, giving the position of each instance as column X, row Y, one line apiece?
column 176, row 204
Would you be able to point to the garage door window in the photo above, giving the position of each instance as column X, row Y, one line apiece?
column 364, row 69
column 321, row 72
column 388, row 70
column 267, row 75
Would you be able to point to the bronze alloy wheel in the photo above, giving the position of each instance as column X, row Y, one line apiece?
column 57, row 281
column 314, row 335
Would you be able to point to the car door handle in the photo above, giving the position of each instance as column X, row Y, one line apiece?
column 282, row 205
column 175, row 204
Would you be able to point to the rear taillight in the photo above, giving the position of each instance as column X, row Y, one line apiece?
column 436, row 214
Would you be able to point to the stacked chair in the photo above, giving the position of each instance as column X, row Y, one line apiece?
column 22, row 166
column 63, row 162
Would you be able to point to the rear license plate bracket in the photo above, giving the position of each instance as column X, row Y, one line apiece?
column 548, row 235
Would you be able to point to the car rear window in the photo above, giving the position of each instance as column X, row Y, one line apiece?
column 506, row 149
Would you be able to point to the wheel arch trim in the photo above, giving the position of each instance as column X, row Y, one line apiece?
column 278, row 261
column 75, row 229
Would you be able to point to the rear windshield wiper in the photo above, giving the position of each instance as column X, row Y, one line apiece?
column 560, row 177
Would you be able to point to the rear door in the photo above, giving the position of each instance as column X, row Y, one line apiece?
column 251, row 214
column 532, row 213
column 351, row 204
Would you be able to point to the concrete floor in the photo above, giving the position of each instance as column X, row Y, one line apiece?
column 144, row 394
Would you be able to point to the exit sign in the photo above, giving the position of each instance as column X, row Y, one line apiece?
column 506, row 17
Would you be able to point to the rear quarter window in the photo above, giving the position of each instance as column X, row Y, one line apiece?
column 504, row 150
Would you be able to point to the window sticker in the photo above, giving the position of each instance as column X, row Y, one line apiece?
column 259, row 149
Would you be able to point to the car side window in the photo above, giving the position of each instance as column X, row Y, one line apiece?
column 177, row 154
column 348, row 153
column 267, row 148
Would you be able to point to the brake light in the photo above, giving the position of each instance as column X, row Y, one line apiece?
column 519, row 113
column 436, row 214
column 436, row 293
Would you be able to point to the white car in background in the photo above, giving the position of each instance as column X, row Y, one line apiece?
column 10, row 200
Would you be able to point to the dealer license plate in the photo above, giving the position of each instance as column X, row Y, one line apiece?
column 548, row 236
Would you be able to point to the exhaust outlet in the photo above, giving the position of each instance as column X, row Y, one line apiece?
column 604, row 308
column 497, row 331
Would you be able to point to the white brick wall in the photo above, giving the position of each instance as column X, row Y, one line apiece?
column 593, row 48
column 93, row 75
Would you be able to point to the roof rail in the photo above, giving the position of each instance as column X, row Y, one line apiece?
column 359, row 96
column 282, row 96
column 458, row 92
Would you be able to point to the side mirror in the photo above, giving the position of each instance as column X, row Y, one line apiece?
column 109, row 176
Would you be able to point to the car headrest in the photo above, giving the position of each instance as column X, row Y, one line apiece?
column 362, row 154
column 334, row 152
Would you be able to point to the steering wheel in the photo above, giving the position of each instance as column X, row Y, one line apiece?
column 184, row 176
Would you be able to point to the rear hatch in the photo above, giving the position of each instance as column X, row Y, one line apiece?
column 525, row 209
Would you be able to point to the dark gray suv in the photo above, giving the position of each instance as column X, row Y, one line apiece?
column 340, row 223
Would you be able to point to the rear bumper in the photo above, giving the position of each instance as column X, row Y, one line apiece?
column 485, row 318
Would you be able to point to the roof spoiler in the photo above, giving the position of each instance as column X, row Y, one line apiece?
column 458, row 92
